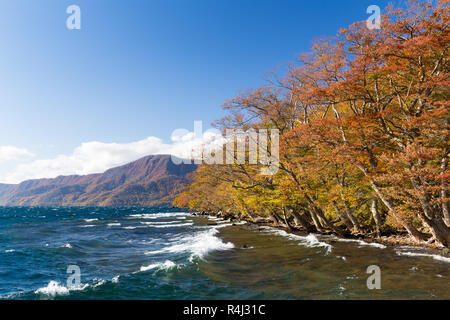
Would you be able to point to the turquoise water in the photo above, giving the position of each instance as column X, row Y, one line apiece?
column 164, row 253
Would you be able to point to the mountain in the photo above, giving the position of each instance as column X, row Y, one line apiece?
column 150, row 181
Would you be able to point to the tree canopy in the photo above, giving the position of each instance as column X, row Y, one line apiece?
column 364, row 134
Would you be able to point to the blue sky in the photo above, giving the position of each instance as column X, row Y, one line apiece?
column 137, row 69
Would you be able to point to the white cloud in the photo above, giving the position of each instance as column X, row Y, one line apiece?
column 97, row 157
column 8, row 153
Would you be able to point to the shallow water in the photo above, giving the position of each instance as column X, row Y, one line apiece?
column 316, row 267
column 161, row 253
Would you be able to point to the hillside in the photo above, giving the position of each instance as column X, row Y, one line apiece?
column 153, row 180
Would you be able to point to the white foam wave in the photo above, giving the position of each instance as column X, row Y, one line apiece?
column 174, row 225
column 158, row 215
column 417, row 254
column 198, row 244
column 214, row 218
column 161, row 266
column 223, row 225
column 168, row 224
column 10, row 250
column 310, row 240
column 159, row 222
column 113, row 224
column 362, row 243
column 87, row 226
column 55, row 288
column 99, row 283
column 67, row 245
column 91, row 220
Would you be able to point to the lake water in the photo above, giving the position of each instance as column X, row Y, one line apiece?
column 164, row 253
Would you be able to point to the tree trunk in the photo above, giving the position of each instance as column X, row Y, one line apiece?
column 444, row 194
column 416, row 234
column 343, row 218
column 286, row 220
column 300, row 220
column 316, row 221
column 376, row 215
column 352, row 218
column 274, row 219
column 440, row 231
column 319, row 213
column 413, row 232
column 432, row 220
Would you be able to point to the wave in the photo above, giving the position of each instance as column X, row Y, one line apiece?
column 67, row 245
column 310, row 240
column 91, row 220
column 113, row 224
column 198, row 245
column 167, row 224
column 223, row 225
column 9, row 250
column 87, row 226
column 160, row 266
column 158, row 215
column 417, row 254
column 159, row 222
column 214, row 218
column 55, row 288
column 362, row 243
column 173, row 225
column 99, row 283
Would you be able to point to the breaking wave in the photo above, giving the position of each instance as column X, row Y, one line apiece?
column 158, row 215
column 198, row 245
column 308, row 241
column 362, row 243
column 54, row 288
column 113, row 224
column 160, row 266
column 416, row 254
column 168, row 224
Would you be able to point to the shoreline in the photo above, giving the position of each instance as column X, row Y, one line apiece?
column 394, row 240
